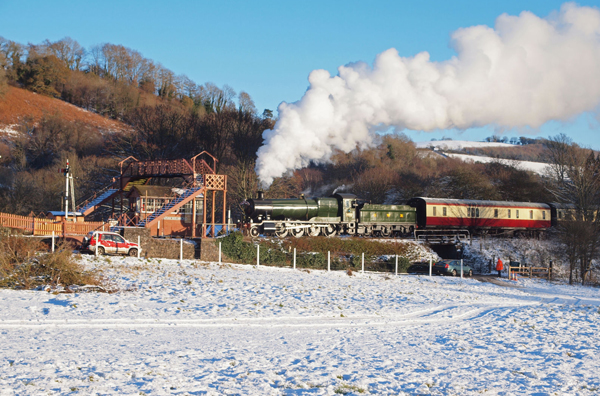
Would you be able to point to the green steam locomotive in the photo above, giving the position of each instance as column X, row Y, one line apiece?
column 338, row 214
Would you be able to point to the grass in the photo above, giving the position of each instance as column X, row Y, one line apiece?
column 344, row 389
column 25, row 265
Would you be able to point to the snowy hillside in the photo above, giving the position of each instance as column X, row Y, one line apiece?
column 442, row 145
column 537, row 167
column 196, row 328
column 459, row 144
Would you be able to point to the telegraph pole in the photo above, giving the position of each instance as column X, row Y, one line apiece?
column 66, row 172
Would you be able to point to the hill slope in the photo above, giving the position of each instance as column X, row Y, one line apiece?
column 19, row 105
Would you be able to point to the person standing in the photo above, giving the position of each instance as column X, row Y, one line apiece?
column 499, row 268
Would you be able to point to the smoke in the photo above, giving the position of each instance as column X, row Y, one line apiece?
column 525, row 71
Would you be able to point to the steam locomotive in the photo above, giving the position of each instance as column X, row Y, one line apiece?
column 346, row 214
column 338, row 214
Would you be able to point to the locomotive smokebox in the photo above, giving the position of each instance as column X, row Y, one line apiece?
column 261, row 195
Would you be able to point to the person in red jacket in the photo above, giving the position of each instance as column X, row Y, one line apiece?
column 499, row 268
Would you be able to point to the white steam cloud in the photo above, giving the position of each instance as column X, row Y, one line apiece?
column 524, row 72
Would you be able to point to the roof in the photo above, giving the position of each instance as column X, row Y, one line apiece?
column 344, row 195
column 59, row 213
column 476, row 202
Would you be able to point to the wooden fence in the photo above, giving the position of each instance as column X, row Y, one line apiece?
column 531, row 271
column 41, row 227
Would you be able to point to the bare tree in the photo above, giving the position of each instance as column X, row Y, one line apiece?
column 575, row 180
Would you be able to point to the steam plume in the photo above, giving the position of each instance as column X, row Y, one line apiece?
column 524, row 72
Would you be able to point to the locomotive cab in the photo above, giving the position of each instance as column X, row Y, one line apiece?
column 347, row 207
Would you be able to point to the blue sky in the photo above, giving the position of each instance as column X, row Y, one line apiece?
column 268, row 48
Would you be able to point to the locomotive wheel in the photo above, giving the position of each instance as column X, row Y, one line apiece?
column 254, row 231
column 314, row 231
column 386, row 232
column 329, row 231
column 281, row 231
column 297, row 232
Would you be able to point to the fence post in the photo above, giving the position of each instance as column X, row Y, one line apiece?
column 52, row 241
column 139, row 246
column 294, row 258
column 257, row 256
column 363, row 263
column 97, row 242
column 181, row 249
column 396, row 265
column 431, row 265
column 219, row 252
column 461, row 268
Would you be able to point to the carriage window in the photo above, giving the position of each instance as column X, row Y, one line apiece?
column 517, row 213
column 468, row 212
column 444, row 211
column 434, row 211
column 543, row 215
column 531, row 214
column 560, row 215
column 495, row 212
column 477, row 212
column 509, row 213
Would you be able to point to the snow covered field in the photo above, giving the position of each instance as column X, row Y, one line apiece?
column 196, row 328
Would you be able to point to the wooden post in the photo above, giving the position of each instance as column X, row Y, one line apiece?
column 363, row 263
column 396, row 265
column 97, row 243
column 219, row 252
column 204, row 214
column 461, row 268
column 328, row 261
column 52, row 241
column 181, row 249
column 225, row 230
column 431, row 265
column 194, row 218
column 139, row 247
column 294, row 258
column 212, row 219
column 257, row 256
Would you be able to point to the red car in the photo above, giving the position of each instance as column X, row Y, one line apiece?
column 109, row 242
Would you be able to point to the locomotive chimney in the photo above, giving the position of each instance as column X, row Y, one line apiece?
column 261, row 195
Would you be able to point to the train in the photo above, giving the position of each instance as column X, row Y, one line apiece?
column 345, row 214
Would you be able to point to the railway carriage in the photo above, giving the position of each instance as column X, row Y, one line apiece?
column 490, row 216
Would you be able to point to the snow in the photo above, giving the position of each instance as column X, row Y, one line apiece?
column 9, row 129
column 191, row 327
column 459, row 144
column 537, row 167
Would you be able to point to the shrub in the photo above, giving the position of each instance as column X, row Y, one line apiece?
column 234, row 247
column 403, row 264
column 23, row 267
column 311, row 260
column 272, row 256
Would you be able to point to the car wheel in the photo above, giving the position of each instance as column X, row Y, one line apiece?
column 454, row 272
column 254, row 231
column 101, row 250
column 133, row 252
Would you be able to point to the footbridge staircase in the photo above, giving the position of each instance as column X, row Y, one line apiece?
column 199, row 180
